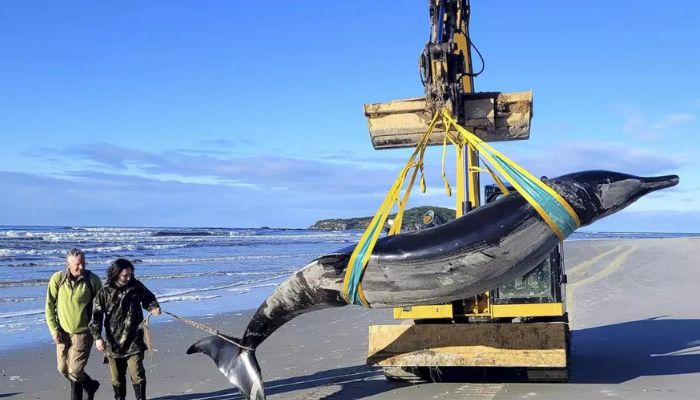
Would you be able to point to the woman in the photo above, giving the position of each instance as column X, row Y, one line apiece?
column 118, row 306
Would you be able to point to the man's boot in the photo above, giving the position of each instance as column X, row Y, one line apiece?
column 119, row 392
column 76, row 390
column 140, row 390
column 90, row 386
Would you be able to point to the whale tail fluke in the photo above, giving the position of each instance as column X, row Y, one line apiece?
column 238, row 365
column 248, row 377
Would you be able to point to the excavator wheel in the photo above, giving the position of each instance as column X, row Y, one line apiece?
column 548, row 375
column 412, row 375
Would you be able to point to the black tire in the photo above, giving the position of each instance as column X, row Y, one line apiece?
column 411, row 375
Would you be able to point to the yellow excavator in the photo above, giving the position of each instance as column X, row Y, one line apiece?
column 522, row 325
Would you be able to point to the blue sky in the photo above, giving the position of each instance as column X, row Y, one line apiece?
column 226, row 113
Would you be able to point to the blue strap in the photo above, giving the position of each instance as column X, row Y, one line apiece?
column 358, row 267
column 554, row 208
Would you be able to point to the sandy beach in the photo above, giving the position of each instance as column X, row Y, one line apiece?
column 635, row 322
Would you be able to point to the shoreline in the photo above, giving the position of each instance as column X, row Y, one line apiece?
column 250, row 301
column 296, row 349
column 193, row 310
column 634, row 336
column 221, row 304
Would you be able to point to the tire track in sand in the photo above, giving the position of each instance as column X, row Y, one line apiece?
column 614, row 265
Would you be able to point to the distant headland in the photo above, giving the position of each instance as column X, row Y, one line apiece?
column 412, row 219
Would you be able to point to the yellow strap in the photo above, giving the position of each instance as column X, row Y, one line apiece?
column 398, row 221
column 448, row 137
column 488, row 151
column 498, row 180
column 464, row 137
column 370, row 236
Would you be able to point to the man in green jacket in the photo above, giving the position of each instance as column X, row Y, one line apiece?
column 69, row 299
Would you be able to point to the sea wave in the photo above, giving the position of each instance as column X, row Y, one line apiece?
column 191, row 260
column 28, row 282
column 165, row 276
column 26, row 324
column 181, row 233
column 22, row 313
column 20, row 299
column 240, row 284
column 168, row 299
column 185, row 275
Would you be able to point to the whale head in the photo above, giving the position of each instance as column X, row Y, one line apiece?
column 596, row 194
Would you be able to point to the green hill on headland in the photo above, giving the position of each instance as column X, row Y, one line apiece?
column 412, row 219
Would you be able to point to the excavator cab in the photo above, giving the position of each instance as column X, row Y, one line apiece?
column 543, row 285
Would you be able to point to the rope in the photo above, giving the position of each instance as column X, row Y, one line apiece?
column 147, row 335
column 194, row 324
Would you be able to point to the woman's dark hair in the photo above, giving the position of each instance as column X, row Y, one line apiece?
column 117, row 267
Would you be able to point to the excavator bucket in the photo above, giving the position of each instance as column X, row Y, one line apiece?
column 492, row 116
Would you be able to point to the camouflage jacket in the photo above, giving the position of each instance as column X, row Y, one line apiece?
column 120, row 310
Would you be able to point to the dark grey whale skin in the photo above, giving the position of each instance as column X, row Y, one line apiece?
column 483, row 249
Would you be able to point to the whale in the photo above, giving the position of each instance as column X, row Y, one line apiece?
column 485, row 248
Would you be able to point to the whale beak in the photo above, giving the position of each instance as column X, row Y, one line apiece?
column 659, row 182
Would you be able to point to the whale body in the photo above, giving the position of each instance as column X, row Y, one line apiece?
column 486, row 248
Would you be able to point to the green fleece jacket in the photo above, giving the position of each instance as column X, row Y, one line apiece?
column 68, row 308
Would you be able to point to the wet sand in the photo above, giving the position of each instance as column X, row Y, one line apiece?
column 636, row 335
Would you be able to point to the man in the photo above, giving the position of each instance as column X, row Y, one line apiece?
column 69, row 299
column 118, row 306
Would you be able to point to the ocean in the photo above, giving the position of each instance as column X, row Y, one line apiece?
column 192, row 271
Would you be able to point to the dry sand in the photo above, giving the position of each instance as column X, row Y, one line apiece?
column 636, row 335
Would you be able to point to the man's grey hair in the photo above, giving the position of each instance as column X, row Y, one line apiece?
column 74, row 252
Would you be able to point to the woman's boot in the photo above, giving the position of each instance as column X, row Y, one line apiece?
column 140, row 390
column 90, row 386
column 76, row 390
column 119, row 392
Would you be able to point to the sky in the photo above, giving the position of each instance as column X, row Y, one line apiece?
column 249, row 114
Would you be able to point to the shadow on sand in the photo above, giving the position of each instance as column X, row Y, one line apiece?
column 620, row 352
column 605, row 354
column 612, row 354
column 340, row 383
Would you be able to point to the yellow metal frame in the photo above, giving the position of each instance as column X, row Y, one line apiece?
column 527, row 310
column 468, row 191
column 442, row 311
column 424, row 312
column 532, row 345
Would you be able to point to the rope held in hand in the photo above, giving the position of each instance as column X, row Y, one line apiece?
column 199, row 326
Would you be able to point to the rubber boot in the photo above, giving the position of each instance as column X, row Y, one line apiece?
column 140, row 390
column 76, row 390
column 119, row 392
column 90, row 386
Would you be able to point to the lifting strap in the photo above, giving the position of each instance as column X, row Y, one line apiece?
column 352, row 287
column 555, row 211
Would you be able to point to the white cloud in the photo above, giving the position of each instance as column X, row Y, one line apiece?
column 139, row 187
column 673, row 120
column 572, row 156
column 642, row 127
